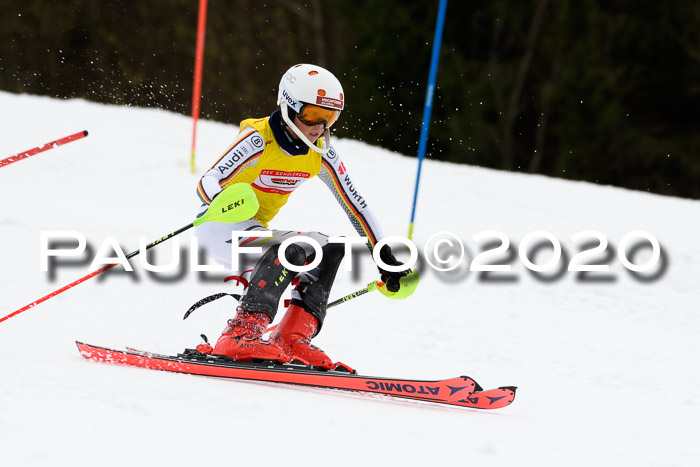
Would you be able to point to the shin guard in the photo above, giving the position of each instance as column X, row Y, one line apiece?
column 315, row 287
column 270, row 279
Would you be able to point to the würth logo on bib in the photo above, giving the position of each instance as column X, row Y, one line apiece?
column 284, row 181
column 279, row 181
column 329, row 102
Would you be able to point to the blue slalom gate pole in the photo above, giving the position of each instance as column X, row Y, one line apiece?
column 428, row 106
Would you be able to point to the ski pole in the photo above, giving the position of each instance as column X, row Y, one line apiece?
column 235, row 204
column 46, row 147
column 371, row 287
column 409, row 282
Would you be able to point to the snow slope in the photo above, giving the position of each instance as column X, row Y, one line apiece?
column 607, row 370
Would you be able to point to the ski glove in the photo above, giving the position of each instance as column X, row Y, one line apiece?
column 397, row 285
column 391, row 279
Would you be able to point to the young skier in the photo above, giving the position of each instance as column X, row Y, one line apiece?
column 276, row 155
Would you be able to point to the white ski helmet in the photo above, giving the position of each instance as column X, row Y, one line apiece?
column 315, row 95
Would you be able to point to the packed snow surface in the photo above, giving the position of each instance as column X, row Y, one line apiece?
column 606, row 362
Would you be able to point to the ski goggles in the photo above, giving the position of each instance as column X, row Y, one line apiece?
column 311, row 115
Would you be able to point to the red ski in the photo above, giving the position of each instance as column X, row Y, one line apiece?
column 490, row 399
column 462, row 391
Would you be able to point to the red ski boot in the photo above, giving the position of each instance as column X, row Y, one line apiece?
column 293, row 335
column 242, row 339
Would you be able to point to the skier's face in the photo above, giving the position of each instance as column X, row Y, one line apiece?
column 312, row 132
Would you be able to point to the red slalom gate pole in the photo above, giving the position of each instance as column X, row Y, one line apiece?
column 92, row 274
column 235, row 204
column 56, row 292
column 46, row 147
column 198, row 65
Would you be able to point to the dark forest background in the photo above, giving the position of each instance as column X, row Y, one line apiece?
column 601, row 90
